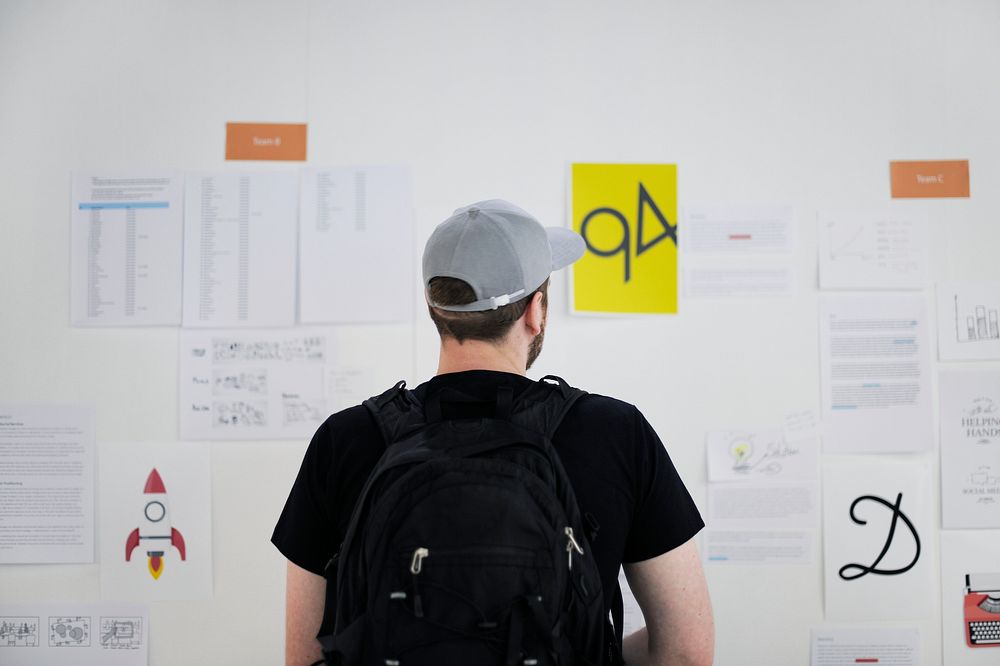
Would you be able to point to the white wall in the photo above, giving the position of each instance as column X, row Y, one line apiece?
column 769, row 101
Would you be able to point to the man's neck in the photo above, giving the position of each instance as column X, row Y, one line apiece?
column 478, row 355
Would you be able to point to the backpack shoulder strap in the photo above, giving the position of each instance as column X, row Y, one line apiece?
column 397, row 412
column 543, row 406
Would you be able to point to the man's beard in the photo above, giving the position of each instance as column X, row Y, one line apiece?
column 536, row 346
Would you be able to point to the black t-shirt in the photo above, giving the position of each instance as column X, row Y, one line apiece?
column 618, row 467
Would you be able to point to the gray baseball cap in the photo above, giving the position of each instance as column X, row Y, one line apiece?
column 501, row 251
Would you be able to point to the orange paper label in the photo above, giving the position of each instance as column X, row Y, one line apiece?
column 266, row 141
column 929, row 179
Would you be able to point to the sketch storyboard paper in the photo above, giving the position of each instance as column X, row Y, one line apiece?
column 968, row 315
column 356, row 245
column 738, row 251
column 760, row 454
column 264, row 384
column 83, row 634
column 240, row 234
column 126, row 248
column 970, row 448
column 46, row 484
column 853, row 645
column 875, row 368
column 970, row 592
column 885, row 249
column 156, row 521
column 859, row 500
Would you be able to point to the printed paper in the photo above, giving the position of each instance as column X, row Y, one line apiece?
column 874, row 362
column 968, row 321
column 239, row 249
column 970, row 597
column 156, row 525
column 850, row 646
column 885, row 249
column 356, row 245
column 46, row 484
column 877, row 526
column 747, row 455
column 126, row 258
column 83, row 634
column 970, row 448
column 269, row 384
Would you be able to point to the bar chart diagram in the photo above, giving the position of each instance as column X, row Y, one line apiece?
column 978, row 323
column 969, row 321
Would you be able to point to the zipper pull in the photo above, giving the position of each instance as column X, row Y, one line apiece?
column 418, row 558
column 571, row 545
column 416, row 565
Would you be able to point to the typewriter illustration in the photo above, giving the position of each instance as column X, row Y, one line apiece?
column 982, row 610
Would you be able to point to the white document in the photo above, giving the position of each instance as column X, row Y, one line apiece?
column 968, row 321
column 239, row 249
column 970, row 596
column 46, row 484
column 126, row 258
column 970, row 448
column 851, row 646
column 745, row 455
column 877, row 530
column 870, row 249
column 356, row 245
column 874, row 362
column 738, row 252
column 759, row 505
column 759, row 546
column 269, row 384
column 156, row 521
column 83, row 634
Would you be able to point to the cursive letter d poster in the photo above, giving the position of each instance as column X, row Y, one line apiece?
column 877, row 539
column 627, row 215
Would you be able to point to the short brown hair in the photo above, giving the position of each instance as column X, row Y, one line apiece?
column 487, row 325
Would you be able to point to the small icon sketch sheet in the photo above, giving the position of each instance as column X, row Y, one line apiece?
column 761, row 455
column 876, row 535
column 89, row 634
column 127, row 231
column 875, row 367
column 356, row 245
column 968, row 315
column 267, row 384
column 156, row 526
column 869, row 249
column 970, row 448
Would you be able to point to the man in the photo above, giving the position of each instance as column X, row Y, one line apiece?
column 486, row 273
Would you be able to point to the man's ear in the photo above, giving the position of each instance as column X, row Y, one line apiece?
column 534, row 315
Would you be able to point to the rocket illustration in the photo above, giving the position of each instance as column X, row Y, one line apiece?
column 155, row 533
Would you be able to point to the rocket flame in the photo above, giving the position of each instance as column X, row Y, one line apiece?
column 155, row 566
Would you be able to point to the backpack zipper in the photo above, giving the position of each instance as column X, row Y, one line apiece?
column 416, row 565
column 571, row 545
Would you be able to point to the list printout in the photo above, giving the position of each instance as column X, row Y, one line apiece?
column 356, row 245
column 126, row 239
column 738, row 251
column 254, row 385
column 85, row 634
column 875, row 364
column 867, row 249
column 239, row 249
column 970, row 448
column 46, row 484
column 850, row 646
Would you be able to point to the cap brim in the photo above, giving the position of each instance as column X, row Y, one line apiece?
column 567, row 246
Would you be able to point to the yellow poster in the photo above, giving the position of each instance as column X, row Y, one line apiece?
column 627, row 215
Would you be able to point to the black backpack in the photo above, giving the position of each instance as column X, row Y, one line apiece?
column 466, row 545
